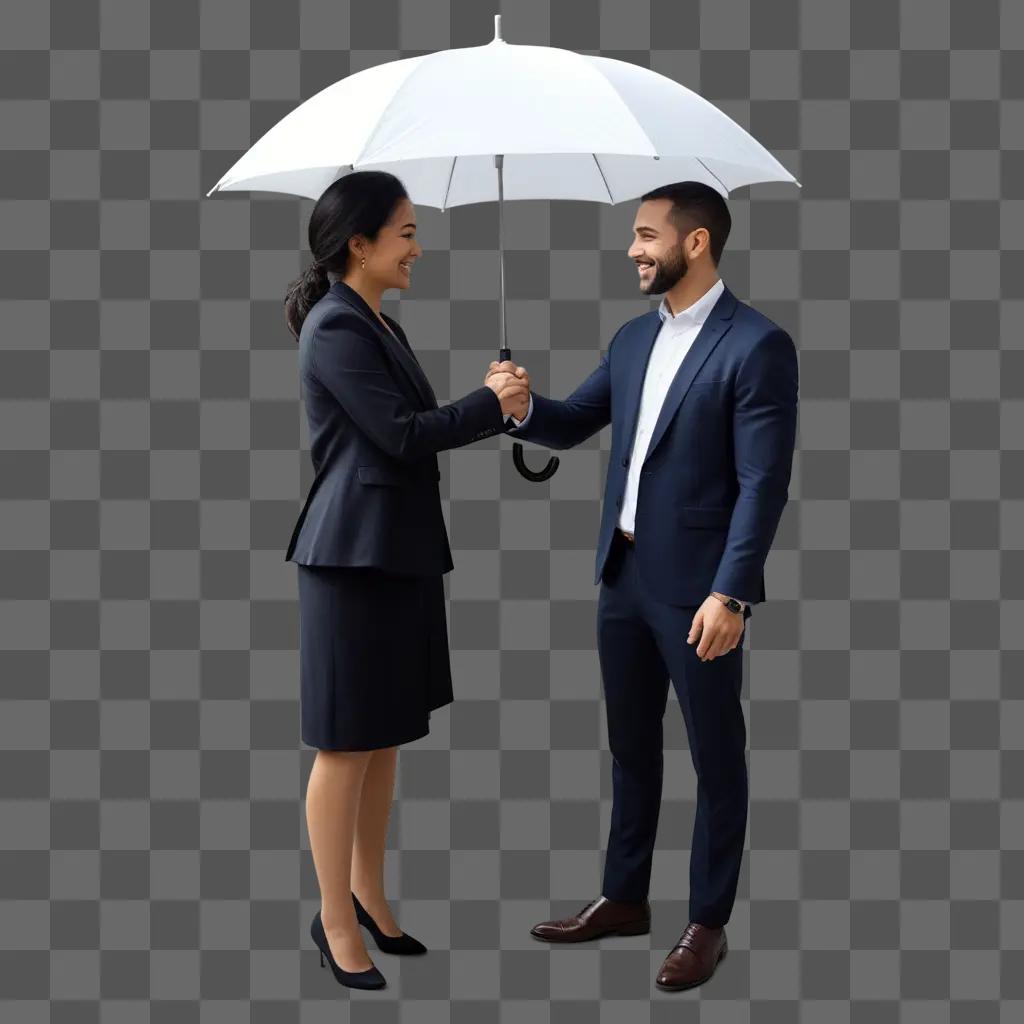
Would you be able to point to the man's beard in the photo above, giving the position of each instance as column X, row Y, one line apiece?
column 666, row 275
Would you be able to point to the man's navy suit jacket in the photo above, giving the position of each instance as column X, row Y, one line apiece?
column 716, row 474
column 375, row 431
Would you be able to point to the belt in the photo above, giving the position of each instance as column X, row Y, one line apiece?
column 628, row 536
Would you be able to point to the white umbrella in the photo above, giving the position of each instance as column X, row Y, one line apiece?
column 553, row 123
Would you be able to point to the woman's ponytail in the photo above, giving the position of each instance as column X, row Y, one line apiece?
column 303, row 294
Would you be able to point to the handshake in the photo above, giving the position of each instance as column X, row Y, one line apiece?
column 511, row 384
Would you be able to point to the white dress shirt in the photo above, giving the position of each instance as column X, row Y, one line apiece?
column 674, row 339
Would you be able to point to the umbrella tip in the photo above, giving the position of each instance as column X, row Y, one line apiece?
column 497, row 29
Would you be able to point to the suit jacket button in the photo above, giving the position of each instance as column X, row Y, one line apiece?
column 625, row 461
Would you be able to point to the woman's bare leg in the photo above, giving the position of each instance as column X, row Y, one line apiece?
column 332, row 805
column 371, row 837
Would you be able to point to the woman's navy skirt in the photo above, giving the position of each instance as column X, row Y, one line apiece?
column 373, row 656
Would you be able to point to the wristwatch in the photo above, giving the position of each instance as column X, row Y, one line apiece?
column 730, row 602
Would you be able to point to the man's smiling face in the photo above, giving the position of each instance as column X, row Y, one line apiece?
column 657, row 248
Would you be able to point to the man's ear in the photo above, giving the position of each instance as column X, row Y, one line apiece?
column 702, row 235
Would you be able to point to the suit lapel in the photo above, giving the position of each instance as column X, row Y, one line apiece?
column 395, row 344
column 417, row 376
column 712, row 331
column 639, row 357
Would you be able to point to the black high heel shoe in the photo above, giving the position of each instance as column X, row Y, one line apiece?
column 371, row 978
column 401, row 944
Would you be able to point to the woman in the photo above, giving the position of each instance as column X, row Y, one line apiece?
column 371, row 548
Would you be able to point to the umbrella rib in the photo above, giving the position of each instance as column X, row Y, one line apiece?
column 451, row 173
column 603, row 178
column 712, row 173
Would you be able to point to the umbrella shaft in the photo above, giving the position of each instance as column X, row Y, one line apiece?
column 499, row 161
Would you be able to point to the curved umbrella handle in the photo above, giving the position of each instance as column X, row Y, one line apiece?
column 505, row 355
column 531, row 474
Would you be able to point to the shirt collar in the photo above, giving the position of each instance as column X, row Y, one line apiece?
column 693, row 315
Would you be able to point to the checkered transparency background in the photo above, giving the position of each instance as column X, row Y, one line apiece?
column 154, row 864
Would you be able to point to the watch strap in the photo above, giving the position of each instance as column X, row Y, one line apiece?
column 732, row 603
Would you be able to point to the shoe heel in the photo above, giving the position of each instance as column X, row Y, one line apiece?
column 400, row 944
column 636, row 928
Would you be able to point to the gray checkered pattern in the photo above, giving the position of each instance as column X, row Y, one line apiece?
column 154, row 864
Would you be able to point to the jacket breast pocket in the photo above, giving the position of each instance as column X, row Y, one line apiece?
column 379, row 475
column 708, row 390
column 710, row 400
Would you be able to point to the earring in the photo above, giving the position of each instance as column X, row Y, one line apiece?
column 364, row 263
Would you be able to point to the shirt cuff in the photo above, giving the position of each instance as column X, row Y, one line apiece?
column 519, row 423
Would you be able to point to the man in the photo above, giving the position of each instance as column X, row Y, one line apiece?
column 702, row 397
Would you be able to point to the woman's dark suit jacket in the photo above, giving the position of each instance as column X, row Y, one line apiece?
column 375, row 431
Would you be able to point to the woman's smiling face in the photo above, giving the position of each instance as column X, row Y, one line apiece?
column 394, row 250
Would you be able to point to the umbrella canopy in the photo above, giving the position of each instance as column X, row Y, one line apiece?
column 570, row 126
column 502, row 121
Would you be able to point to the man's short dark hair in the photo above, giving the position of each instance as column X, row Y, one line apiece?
column 696, row 205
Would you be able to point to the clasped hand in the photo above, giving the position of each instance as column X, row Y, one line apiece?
column 511, row 384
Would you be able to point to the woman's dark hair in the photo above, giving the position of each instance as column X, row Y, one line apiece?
column 696, row 205
column 360, row 203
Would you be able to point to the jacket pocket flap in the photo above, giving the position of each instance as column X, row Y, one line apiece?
column 379, row 475
column 709, row 518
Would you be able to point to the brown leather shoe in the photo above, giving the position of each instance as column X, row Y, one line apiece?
column 599, row 917
column 694, row 957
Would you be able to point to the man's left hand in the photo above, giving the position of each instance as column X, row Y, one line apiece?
column 715, row 629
